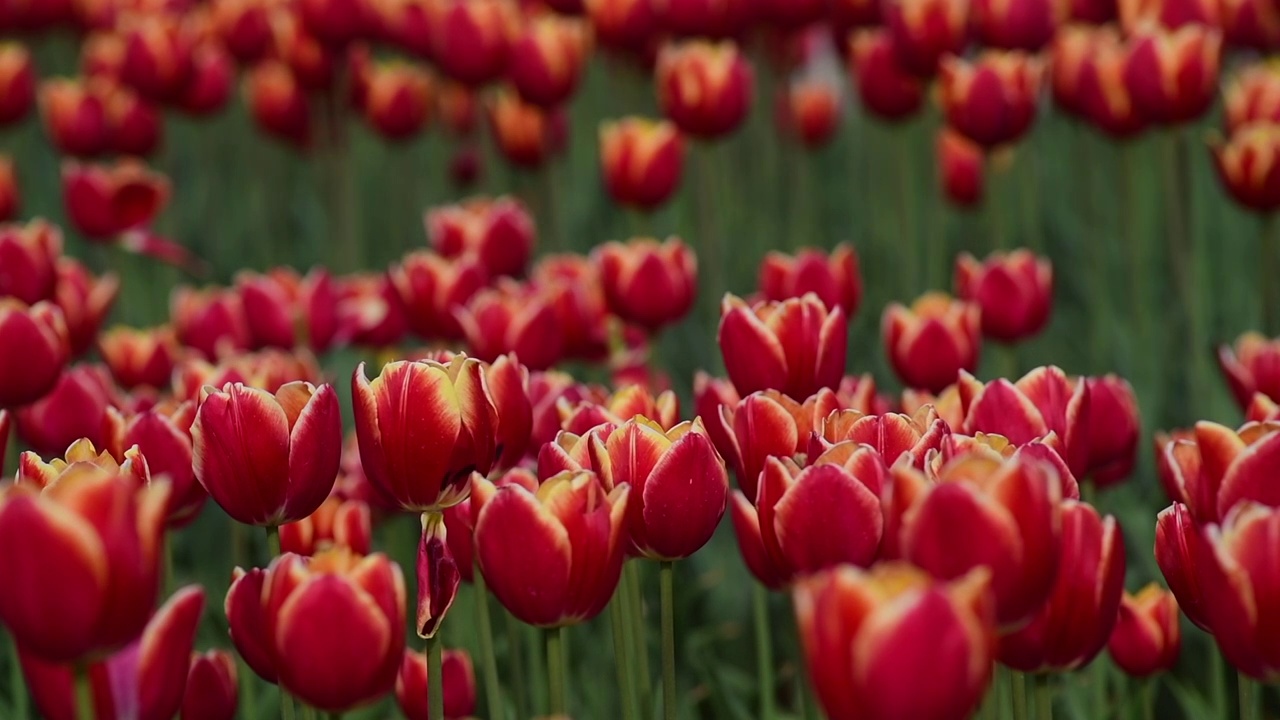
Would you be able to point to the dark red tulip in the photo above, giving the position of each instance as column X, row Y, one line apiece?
column 212, row 321
column 625, row 25
column 499, row 232
column 104, row 201
column 1018, row 25
column 85, row 300
column 705, row 88
column 547, row 59
column 278, row 102
column 1014, row 291
column 961, row 168
column 34, row 348
column 397, row 104
column 1173, row 75
column 835, row 278
column 931, row 342
column 433, row 288
column 244, row 27
column 513, row 319
column 641, row 160
column 1114, row 425
column 886, row 88
column 29, row 256
column 140, row 358
column 1043, row 405
column 648, row 283
column 74, row 115
column 334, row 22
column 1251, row 365
column 457, row 678
column 212, row 690
column 796, row 346
column 370, row 311
column 438, row 576
column 577, row 287
column 17, row 82
column 283, row 309
column 77, row 407
column 923, row 31
column 704, row 18
column 211, row 83
column 1147, row 637
column 1177, row 535
column 163, row 435
column 1246, row 166
column 991, row 99
column 472, row 38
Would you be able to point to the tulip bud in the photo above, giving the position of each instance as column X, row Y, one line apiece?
column 274, row 614
column 457, row 678
column 399, row 100
column 17, row 82
column 136, row 125
column 1072, row 48
column 212, row 77
column 77, row 407
column 278, row 102
column 626, row 25
column 337, row 522
column 1173, row 75
column 547, row 59
column 472, row 38
column 513, row 319
column 961, row 168
column 438, row 576
column 1262, row 409
column 1019, row 25
column 1252, row 95
column 1136, row 15
column 212, row 692
column 763, row 425
column 991, row 100
column 334, row 22
column 1075, row 622
column 212, row 321
column 432, row 289
column 75, row 117
column 704, row 88
column 244, row 27
column 796, row 346
column 885, row 87
column 424, row 428
column 1113, row 420
column 267, row 459
column 84, row 301
column 1014, row 291
column 810, row 111
column 626, row 404
column 648, row 283
column 573, row 533
column 499, row 232
column 835, row 279
column 923, row 31
column 29, row 253
column 898, row 618
column 932, row 341
column 890, row 434
column 641, row 160
column 1247, row 167
column 1176, row 550
column 33, row 350
column 1251, row 366
column 1147, row 637
column 370, row 311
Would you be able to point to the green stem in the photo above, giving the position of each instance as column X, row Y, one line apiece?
column 1007, row 354
column 1181, row 234
column 906, row 194
column 621, row 655
column 308, row 712
column 709, row 249
column 1248, row 690
column 488, row 660
column 557, row 689
column 1218, row 682
column 549, row 207
column 667, row 582
column 1020, row 696
column 764, row 652
column 17, row 684
column 1044, row 696
column 335, row 716
column 1269, row 276
column 1138, row 269
column 170, row 578
column 1149, row 699
column 248, row 690
column 435, row 678
column 341, row 180
column 516, row 659
column 803, row 216
column 1030, row 195
column 640, row 645
column 85, row 709
column 808, row 704
column 273, row 541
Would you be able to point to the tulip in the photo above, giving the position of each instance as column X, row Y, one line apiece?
column 1043, row 405
column 932, row 341
column 1105, row 96
column 1232, row 467
column 1167, row 14
column 1020, row 25
column 163, row 436
column 1247, row 166
column 764, row 424
column 625, row 25
column 370, row 311
column 547, row 392
column 1114, row 423
column 438, row 576
column 923, row 31
column 547, row 59
column 1252, row 95
column 212, row 321
column 283, row 310
column 77, row 407
column 212, row 79
column 84, row 301
column 1075, row 623
column 136, row 125
column 146, row 679
column 961, row 168
column 33, row 350
column 625, row 404
column 337, row 522
column 472, row 38
column 516, row 319
column 1177, row 538
column 574, row 536
column 90, row 576
column 212, row 691
column 17, row 82
column 29, row 255
column 835, row 278
column 865, row 632
column 279, row 619
column 885, row 87
column 1262, row 409
column 335, row 23
column 704, row 18
column 806, row 521
column 311, row 62
column 458, row 108
column 893, row 435
column 704, row 88
column 641, row 160
column 267, row 370
column 398, row 100
column 1250, row 24
column 1072, row 48
column 648, row 283
column 981, row 510
column 104, row 201
column 1014, row 291
column 75, row 117
column 278, row 102
column 157, row 57
column 524, row 133
column 796, row 346
column 458, row 679
column 1147, row 637
column 508, row 383
column 811, row 112
column 432, row 289
column 1172, row 76
column 991, row 100
column 499, row 232
column 10, row 196
column 267, row 459
column 424, row 428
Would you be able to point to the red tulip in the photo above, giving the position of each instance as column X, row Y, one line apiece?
column 370, row 310
column 1250, row 24
column 281, row 617
column 104, row 201
column 89, row 577
column 1177, row 537
column 146, row 679
column 472, row 39
column 514, row 319
column 74, row 114
column 796, row 346
column 866, row 633
column 334, row 22
column 33, row 350
column 575, row 283
column 547, row 59
column 548, row 391
column 438, row 575
column 157, row 56
column 704, row 88
column 524, row 133
column 1173, row 75
column 77, row 407
column 992, row 99
column 211, row 321
column 457, row 678
column 885, row 87
column 1252, row 95
column 961, row 168
column 641, row 160
column 625, row 25
column 932, row 341
column 278, row 102
column 1136, row 15
column 1019, row 25
column 1071, row 49
column 1105, row 98
column 764, row 424
column 1247, row 167
column 923, row 31
column 1262, row 409
column 1114, row 422
column 835, row 278
column 163, row 436
column 1043, row 405
column 398, row 101
column 1014, row 291
column 212, row 691
column 432, row 289
column 212, row 79
column 704, row 18
column 283, row 309
column 244, row 27
column 499, row 232
column 29, row 257
column 84, row 300
column 17, row 82
column 890, row 434
column 573, row 534
column 267, row 459
column 340, row 523
column 625, row 404
column 1075, row 623
column 648, row 283
column 140, row 357
column 810, row 111
column 1147, row 637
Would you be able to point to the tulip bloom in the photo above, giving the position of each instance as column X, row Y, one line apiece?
column 105, row 201
column 1105, row 97
column 457, row 678
column 278, row 102
column 432, row 289
column 17, row 82
column 835, row 278
column 1173, row 75
column 991, row 100
column 574, row 535
column 1252, row 95
column 524, row 133
column 1042, row 405
column 704, row 88
column 762, row 425
column 1075, row 622
column 74, row 115
column 140, row 357
column 1113, row 420
column 267, row 459
column 1177, row 538
column 498, row 232
column 1018, row 25
column 284, row 310
column 704, row 18
column 866, row 633
column 625, row 404
column 33, row 350
column 1223, row 468
column 84, row 300
column 547, row 59
column 146, row 679
column 1167, row 14
column 89, row 579
column 1147, row 637
column 337, row 522
column 890, row 434
column 1249, row 24
column 513, row 319
column 29, row 253
column 1251, row 366
column 932, row 341
column 648, row 283
column 163, row 436
column 887, row 89
column 624, row 25
column 212, row 321
column 77, row 407
column 810, row 111
column 212, row 690
column 211, row 82
column 397, row 102
column 641, row 160
column 135, row 122
column 471, row 39
column 424, row 428
column 1014, row 290
column 1248, row 168
column 796, row 346
column 277, row 615
column 923, row 31
column 961, row 168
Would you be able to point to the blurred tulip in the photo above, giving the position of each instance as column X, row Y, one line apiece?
column 1147, row 637
column 472, row 38
column 458, row 108
column 796, row 346
column 548, row 58
column 75, row 408
column 641, row 160
column 212, row 321
column 334, row 22
column 1072, row 48
column 499, row 232
column 1167, row 14
column 146, row 679
column 1075, row 623
column 17, row 82
column 961, row 168
column 513, row 318
column 1251, row 366
column 523, row 132
column 890, row 434
column 508, row 383
column 424, row 428
column 163, row 435
column 1105, row 96
column 244, row 26
column 457, row 678
column 1043, row 405
column 1252, row 96
column 1019, row 25
column 1247, row 166
column 433, row 288
column 1173, row 75
column 74, row 114
column 135, row 123
column 341, row 523
column 1250, row 24
column 1014, row 291
column 923, row 31
column 212, row 689
column 277, row 618
column 1224, row 468
column 34, row 348
column 140, row 357
column 267, row 459
column 212, row 79
column 574, row 535
column 648, row 283
column 836, row 278
column 625, row 25
column 157, row 57
column 84, row 301
column 932, row 341
column 704, row 18
column 465, row 168
column 104, row 201
column 864, row 632
column 370, row 311
column 278, row 103
column 1177, row 536
column 991, row 100
column 550, row 390
column 28, row 260
column 1114, row 423
column 283, row 309
column 10, row 194
column 705, row 88
column 398, row 102
column 885, row 87
column 811, row 112
column 89, row 578
column 1262, row 409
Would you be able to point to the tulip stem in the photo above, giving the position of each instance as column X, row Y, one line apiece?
column 557, row 690
column 666, row 581
column 1269, row 277
column 85, row 709
column 709, row 252
column 621, row 653
column 1043, row 696
column 1020, row 696
column 639, row 646
column 1149, row 699
column 906, row 193
column 17, row 685
column 515, row 656
column 488, row 661
column 1248, row 690
column 764, row 651
column 273, row 542
column 1182, row 251
column 435, row 679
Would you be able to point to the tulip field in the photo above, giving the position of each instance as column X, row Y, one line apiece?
column 635, row 359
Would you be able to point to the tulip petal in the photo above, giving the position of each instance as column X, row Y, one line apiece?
column 532, row 584
column 754, row 358
column 241, row 443
column 827, row 517
column 746, row 528
column 1252, row 475
column 684, row 498
column 315, row 453
column 248, row 624
column 165, row 652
